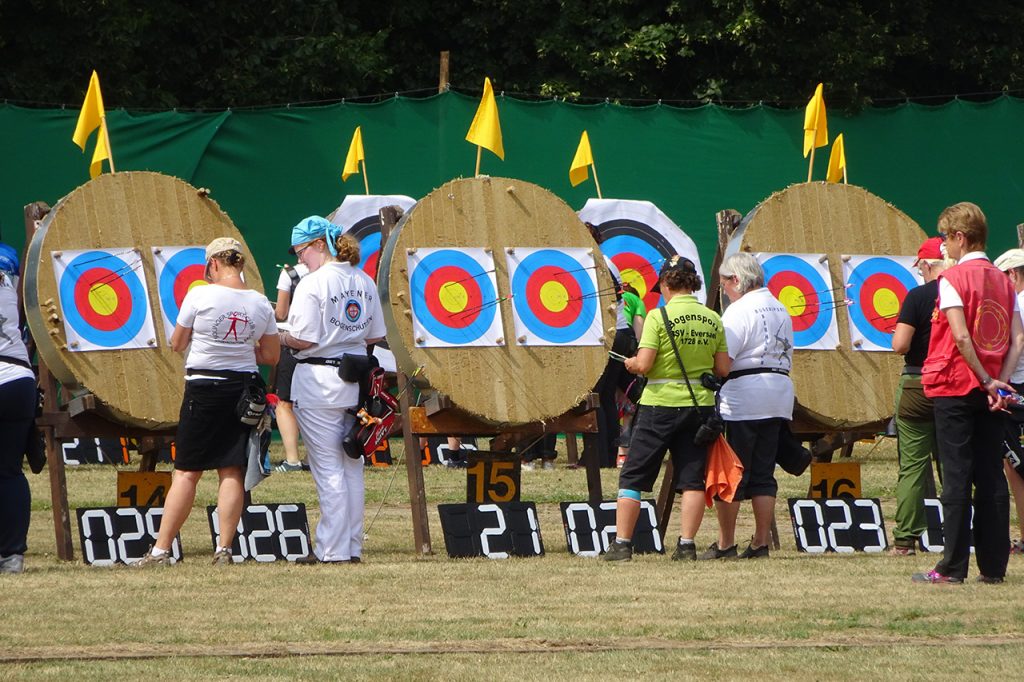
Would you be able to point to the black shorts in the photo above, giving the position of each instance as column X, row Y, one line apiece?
column 756, row 443
column 210, row 435
column 655, row 430
column 285, row 370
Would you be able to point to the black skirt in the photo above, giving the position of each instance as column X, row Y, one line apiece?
column 210, row 435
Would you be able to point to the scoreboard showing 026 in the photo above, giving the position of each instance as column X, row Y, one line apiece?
column 843, row 524
column 266, row 532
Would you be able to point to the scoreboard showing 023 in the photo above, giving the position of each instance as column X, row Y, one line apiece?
column 843, row 524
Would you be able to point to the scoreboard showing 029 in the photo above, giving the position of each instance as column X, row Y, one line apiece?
column 841, row 524
column 112, row 535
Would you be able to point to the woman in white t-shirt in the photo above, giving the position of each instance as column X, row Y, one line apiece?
column 228, row 330
column 283, row 415
column 756, row 400
column 17, row 412
column 335, row 311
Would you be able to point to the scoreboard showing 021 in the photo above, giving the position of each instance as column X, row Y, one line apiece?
column 266, row 532
column 843, row 524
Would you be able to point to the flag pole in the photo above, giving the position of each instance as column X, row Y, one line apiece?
column 106, row 136
column 477, row 161
column 597, row 184
column 366, row 180
column 810, row 166
column 845, row 182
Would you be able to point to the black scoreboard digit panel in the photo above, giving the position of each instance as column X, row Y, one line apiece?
column 590, row 528
column 266, row 532
column 495, row 530
column 838, row 525
column 112, row 535
column 933, row 540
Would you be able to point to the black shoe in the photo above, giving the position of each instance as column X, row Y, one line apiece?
column 685, row 552
column 308, row 560
column 988, row 580
column 618, row 551
column 752, row 552
column 713, row 552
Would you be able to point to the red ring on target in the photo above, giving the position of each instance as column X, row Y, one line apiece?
column 548, row 275
column 436, row 292
column 93, row 281
column 883, row 284
column 805, row 316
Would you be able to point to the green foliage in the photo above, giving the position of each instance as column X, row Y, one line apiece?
column 237, row 53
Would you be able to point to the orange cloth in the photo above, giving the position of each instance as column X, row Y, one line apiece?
column 723, row 474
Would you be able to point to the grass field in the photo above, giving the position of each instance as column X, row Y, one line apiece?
column 556, row 617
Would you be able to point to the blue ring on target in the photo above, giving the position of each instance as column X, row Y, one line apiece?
column 630, row 244
column 137, row 295
column 826, row 308
column 434, row 326
column 858, row 278
column 368, row 245
column 588, row 306
column 174, row 266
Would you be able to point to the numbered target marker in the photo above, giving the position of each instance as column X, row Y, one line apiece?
column 802, row 283
column 590, row 528
column 841, row 524
column 266, row 532
column 932, row 540
column 359, row 216
column 104, row 300
column 638, row 238
column 112, row 535
column 495, row 531
column 555, row 299
column 876, row 287
column 178, row 270
column 454, row 298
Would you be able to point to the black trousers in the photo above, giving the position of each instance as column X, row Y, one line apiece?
column 17, row 412
column 968, row 436
column 614, row 378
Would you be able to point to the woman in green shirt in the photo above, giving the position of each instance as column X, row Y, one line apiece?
column 668, row 419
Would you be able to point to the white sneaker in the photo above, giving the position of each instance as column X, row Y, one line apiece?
column 549, row 465
column 528, row 466
column 14, row 563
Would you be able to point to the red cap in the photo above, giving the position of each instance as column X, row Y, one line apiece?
column 930, row 250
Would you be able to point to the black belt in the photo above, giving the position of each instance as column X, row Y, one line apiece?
column 912, row 371
column 15, row 361
column 222, row 373
column 331, row 362
column 756, row 370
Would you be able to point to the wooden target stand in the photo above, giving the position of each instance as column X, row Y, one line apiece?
column 77, row 418
column 438, row 416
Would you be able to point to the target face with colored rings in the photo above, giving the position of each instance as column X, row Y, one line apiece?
column 554, row 296
column 367, row 233
column 801, row 284
column 454, row 298
column 359, row 216
column 104, row 300
column 877, row 287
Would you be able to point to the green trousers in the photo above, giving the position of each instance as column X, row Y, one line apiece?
column 915, row 444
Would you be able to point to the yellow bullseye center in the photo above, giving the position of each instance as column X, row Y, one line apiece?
column 553, row 296
column 453, row 297
column 197, row 283
column 886, row 303
column 793, row 299
column 103, row 299
column 635, row 280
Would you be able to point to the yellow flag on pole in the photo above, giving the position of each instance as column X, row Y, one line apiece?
column 837, row 160
column 584, row 158
column 355, row 155
column 91, row 117
column 485, row 130
column 815, row 123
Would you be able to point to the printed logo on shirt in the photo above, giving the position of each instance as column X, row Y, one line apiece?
column 234, row 327
column 353, row 310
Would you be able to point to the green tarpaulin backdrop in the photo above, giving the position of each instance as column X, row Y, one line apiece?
column 269, row 168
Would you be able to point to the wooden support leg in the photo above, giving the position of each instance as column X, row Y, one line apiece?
column 572, row 452
column 593, row 468
column 666, row 499
column 149, row 449
column 414, row 469
column 59, row 496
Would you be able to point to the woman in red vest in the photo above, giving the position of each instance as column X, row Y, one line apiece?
column 977, row 336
